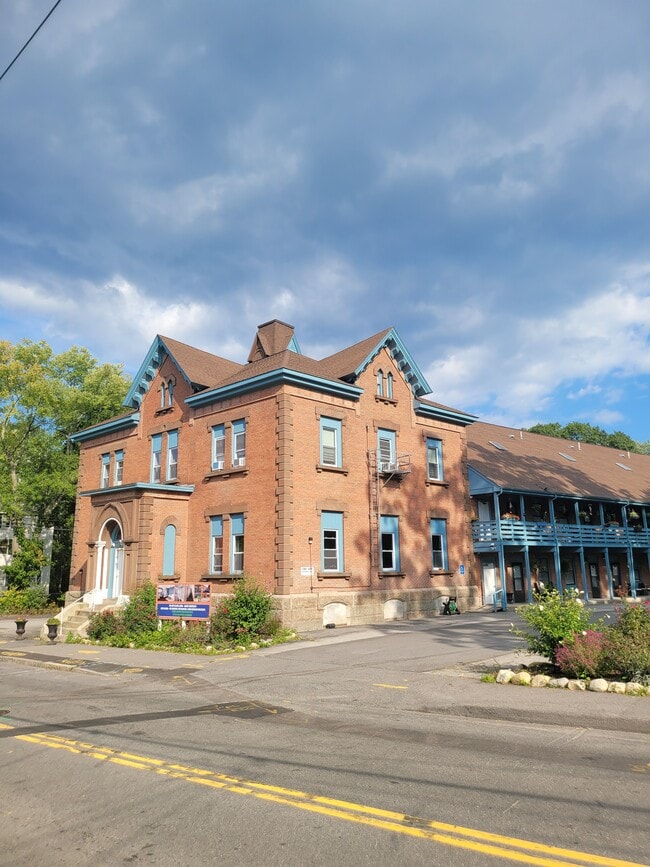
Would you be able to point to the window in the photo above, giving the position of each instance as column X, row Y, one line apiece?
column 169, row 550
column 434, row 459
column 239, row 443
column 380, row 382
column 119, row 467
column 389, row 385
column 330, row 442
column 106, row 471
column 439, row 544
column 163, row 392
column 236, row 543
column 216, row 545
column 386, row 449
column 170, row 392
column 172, row 455
column 156, row 455
column 332, row 535
column 218, row 447
column 389, row 530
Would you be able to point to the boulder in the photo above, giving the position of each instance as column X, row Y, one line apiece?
column 540, row 680
column 598, row 684
column 634, row 688
column 576, row 685
column 521, row 678
column 559, row 682
column 505, row 675
column 616, row 686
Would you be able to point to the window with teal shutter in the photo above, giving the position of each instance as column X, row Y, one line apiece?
column 106, row 471
column 330, row 442
column 119, row 467
column 389, row 535
column 434, row 459
column 236, row 543
column 156, row 456
column 216, row 545
column 169, row 550
column 218, row 447
column 332, row 541
column 439, row 543
column 239, row 443
column 172, row 456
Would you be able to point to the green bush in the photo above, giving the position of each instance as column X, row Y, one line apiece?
column 244, row 615
column 26, row 564
column 626, row 649
column 31, row 600
column 140, row 611
column 552, row 619
column 105, row 625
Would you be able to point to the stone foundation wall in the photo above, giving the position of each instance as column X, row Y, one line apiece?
column 309, row 611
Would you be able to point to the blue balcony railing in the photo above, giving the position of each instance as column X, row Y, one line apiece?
column 487, row 534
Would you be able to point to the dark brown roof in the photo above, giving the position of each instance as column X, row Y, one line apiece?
column 287, row 360
column 345, row 362
column 203, row 369
column 532, row 462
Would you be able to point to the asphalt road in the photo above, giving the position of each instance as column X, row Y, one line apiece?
column 369, row 746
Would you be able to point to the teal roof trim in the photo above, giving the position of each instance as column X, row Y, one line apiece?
column 142, row 486
column 106, row 427
column 281, row 376
column 412, row 373
column 294, row 346
column 143, row 378
column 443, row 413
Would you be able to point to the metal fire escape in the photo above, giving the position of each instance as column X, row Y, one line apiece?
column 380, row 473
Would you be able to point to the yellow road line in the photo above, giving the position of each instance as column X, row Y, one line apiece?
column 497, row 845
column 390, row 686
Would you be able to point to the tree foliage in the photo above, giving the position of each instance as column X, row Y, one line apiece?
column 587, row 433
column 44, row 398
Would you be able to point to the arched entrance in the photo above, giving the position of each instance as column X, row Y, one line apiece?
column 109, row 571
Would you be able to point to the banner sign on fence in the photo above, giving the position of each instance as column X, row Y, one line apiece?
column 187, row 601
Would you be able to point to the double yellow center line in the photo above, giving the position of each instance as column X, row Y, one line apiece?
column 510, row 848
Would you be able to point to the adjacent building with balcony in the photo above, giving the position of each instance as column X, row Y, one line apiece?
column 336, row 483
column 557, row 513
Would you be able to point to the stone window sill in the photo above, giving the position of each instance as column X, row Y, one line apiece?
column 445, row 572
column 323, row 576
column 437, row 483
column 226, row 473
column 328, row 468
column 390, row 401
column 387, row 574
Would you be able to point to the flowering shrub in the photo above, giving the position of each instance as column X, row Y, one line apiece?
column 552, row 619
column 582, row 655
column 626, row 650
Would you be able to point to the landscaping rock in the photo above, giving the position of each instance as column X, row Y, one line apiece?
column 540, row 680
column 634, row 688
column 521, row 678
column 598, row 684
column 616, row 686
column 576, row 685
column 505, row 675
column 559, row 682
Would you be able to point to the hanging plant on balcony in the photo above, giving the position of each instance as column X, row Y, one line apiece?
column 509, row 516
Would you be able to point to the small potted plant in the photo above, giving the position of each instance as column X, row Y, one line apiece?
column 21, row 620
column 52, row 624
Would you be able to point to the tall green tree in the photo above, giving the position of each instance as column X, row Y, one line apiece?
column 44, row 398
column 587, row 433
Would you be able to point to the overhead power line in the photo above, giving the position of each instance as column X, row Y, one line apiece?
column 30, row 39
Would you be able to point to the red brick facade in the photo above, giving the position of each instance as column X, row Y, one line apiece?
column 282, row 487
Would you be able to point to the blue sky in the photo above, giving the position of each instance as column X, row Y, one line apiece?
column 475, row 174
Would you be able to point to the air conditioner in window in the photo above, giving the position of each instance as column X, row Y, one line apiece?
column 238, row 462
column 388, row 467
column 217, row 465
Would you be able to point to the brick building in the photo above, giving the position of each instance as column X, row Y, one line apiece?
column 335, row 483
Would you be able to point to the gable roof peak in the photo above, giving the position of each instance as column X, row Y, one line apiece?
column 273, row 337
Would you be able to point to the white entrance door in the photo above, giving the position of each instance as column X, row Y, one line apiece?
column 489, row 581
